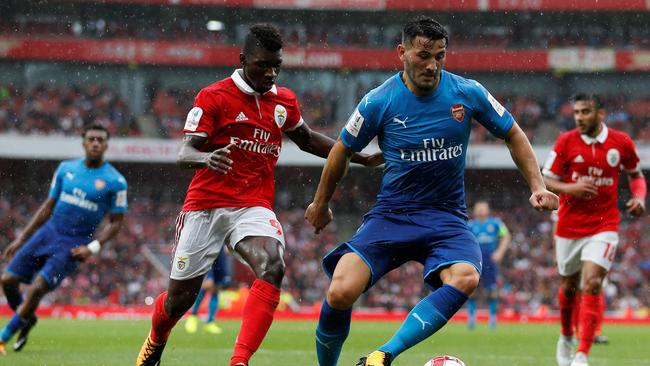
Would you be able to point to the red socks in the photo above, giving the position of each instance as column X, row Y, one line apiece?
column 590, row 315
column 161, row 323
column 567, row 307
column 257, row 317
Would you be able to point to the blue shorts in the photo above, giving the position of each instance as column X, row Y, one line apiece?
column 489, row 274
column 46, row 251
column 221, row 272
column 385, row 241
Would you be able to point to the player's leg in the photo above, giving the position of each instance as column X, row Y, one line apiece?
column 493, row 306
column 459, row 280
column 213, row 304
column 221, row 277
column 11, row 289
column 471, row 310
column 567, row 253
column 350, row 278
column 265, row 257
column 192, row 321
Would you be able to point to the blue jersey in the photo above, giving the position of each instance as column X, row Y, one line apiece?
column 488, row 233
column 424, row 139
column 83, row 196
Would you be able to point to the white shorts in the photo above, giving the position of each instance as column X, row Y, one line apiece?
column 599, row 249
column 200, row 236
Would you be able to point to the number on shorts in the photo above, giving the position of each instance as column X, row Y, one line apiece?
column 276, row 225
column 610, row 251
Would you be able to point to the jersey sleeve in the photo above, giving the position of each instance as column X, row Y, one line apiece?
column 363, row 125
column 203, row 118
column 294, row 117
column 555, row 165
column 55, row 186
column 489, row 112
column 119, row 202
column 630, row 159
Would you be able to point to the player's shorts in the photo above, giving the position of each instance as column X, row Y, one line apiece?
column 48, row 253
column 221, row 271
column 599, row 249
column 489, row 274
column 201, row 235
column 385, row 241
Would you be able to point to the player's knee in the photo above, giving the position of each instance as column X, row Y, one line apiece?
column 592, row 284
column 466, row 282
column 341, row 297
column 9, row 282
column 273, row 272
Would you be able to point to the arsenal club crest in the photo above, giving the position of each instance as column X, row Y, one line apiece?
column 458, row 112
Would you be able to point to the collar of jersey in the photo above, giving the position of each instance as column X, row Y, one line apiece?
column 244, row 87
column 602, row 136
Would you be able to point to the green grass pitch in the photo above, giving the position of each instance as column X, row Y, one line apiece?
column 116, row 342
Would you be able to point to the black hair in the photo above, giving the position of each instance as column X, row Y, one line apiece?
column 95, row 127
column 587, row 97
column 262, row 35
column 424, row 26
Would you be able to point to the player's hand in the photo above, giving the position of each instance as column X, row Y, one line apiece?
column 497, row 256
column 81, row 253
column 635, row 206
column 218, row 160
column 374, row 160
column 12, row 248
column 584, row 190
column 318, row 216
column 544, row 200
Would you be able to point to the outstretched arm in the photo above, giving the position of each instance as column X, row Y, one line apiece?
column 318, row 212
column 42, row 215
column 523, row 155
column 320, row 145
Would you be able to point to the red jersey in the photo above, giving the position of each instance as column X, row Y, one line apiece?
column 230, row 111
column 599, row 160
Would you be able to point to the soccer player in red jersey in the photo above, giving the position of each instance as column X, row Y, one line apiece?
column 584, row 167
column 233, row 137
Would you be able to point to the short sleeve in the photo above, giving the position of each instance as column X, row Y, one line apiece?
column 55, row 186
column 294, row 117
column 555, row 165
column 489, row 112
column 119, row 201
column 203, row 118
column 363, row 124
column 630, row 159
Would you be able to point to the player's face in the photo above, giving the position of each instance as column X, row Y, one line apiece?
column 261, row 68
column 423, row 60
column 588, row 118
column 95, row 143
column 481, row 210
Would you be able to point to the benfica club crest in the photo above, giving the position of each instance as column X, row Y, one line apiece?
column 458, row 112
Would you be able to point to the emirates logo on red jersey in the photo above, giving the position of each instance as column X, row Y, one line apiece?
column 458, row 112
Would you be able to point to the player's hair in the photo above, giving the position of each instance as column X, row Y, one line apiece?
column 262, row 35
column 586, row 97
column 424, row 26
column 95, row 127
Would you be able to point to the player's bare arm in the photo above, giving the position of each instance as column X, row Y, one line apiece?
column 189, row 156
column 498, row 254
column 318, row 212
column 636, row 205
column 579, row 189
column 115, row 221
column 44, row 212
column 320, row 145
column 524, row 157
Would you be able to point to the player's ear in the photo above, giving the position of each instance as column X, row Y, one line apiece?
column 400, row 51
column 242, row 58
column 602, row 113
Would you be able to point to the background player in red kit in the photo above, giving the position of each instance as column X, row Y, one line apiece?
column 233, row 137
column 584, row 167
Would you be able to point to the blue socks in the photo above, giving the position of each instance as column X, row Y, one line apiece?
column 492, row 303
column 213, row 305
column 471, row 313
column 197, row 302
column 15, row 324
column 426, row 318
column 333, row 328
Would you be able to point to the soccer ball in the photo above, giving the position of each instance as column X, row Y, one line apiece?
column 444, row 361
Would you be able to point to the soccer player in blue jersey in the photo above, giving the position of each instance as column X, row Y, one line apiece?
column 61, row 233
column 422, row 120
column 493, row 237
column 219, row 276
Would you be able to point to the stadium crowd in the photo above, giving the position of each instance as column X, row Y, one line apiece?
column 125, row 272
column 52, row 109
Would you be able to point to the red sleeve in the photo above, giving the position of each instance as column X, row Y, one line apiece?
column 203, row 118
column 555, row 165
column 630, row 158
column 294, row 117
